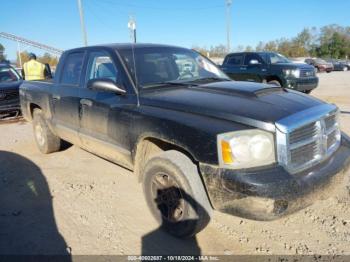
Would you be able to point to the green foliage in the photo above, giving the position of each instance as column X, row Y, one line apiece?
column 331, row 41
column 2, row 55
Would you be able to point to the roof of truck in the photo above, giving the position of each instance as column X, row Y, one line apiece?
column 123, row 46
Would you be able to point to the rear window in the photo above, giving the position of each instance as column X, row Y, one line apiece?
column 72, row 69
column 235, row 59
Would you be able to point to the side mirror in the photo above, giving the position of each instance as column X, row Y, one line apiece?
column 254, row 62
column 105, row 85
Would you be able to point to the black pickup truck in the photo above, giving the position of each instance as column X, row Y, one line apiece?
column 272, row 68
column 197, row 140
column 9, row 88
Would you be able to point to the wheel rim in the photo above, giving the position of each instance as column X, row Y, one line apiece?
column 168, row 197
column 39, row 134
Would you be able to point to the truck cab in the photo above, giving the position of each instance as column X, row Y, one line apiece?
column 196, row 140
column 272, row 68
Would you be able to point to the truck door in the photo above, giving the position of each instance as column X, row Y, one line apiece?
column 65, row 97
column 232, row 66
column 255, row 68
column 104, row 116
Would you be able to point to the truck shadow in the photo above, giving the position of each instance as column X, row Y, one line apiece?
column 159, row 242
column 27, row 223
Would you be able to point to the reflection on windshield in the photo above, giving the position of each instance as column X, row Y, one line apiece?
column 157, row 65
column 278, row 58
column 8, row 74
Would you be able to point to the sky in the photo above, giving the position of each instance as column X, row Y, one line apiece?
column 185, row 23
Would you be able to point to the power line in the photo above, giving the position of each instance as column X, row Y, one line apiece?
column 19, row 39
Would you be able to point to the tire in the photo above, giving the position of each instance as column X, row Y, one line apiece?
column 307, row 91
column 175, row 194
column 345, row 68
column 46, row 141
column 275, row 83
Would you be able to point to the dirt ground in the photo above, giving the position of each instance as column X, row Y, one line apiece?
column 74, row 202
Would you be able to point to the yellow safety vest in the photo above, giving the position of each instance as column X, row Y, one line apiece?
column 33, row 70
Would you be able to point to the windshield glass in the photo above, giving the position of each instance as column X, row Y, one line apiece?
column 276, row 58
column 159, row 65
column 8, row 74
column 320, row 61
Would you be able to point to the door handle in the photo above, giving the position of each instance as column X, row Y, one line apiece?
column 85, row 102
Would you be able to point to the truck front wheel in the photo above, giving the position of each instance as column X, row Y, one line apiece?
column 275, row 83
column 175, row 194
column 46, row 141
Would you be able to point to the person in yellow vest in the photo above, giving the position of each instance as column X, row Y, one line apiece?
column 34, row 70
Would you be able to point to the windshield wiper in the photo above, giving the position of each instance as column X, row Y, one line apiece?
column 211, row 79
column 168, row 83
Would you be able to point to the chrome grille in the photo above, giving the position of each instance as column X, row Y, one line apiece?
column 303, row 133
column 307, row 73
column 307, row 137
column 9, row 94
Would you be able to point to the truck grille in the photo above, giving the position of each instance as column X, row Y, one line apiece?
column 9, row 94
column 307, row 73
column 316, row 137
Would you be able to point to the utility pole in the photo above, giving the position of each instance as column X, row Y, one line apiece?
column 228, row 24
column 82, row 22
column 132, row 28
column 19, row 54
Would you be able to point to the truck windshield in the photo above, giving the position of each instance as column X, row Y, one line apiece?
column 157, row 66
column 276, row 58
column 8, row 74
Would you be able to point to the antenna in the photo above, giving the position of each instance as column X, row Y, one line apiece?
column 132, row 28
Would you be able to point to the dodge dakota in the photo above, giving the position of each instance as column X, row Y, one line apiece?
column 197, row 140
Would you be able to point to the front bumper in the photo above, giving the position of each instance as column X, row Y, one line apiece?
column 302, row 84
column 269, row 193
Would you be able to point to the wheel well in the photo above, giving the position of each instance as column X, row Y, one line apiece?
column 271, row 78
column 149, row 147
column 32, row 106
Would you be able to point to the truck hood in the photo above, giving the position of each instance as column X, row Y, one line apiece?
column 253, row 104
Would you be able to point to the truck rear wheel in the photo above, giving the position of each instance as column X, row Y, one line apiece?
column 175, row 194
column 46, row 141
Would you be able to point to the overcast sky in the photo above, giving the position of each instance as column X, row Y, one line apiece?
column 181, row 22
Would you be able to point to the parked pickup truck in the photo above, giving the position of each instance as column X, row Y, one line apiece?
column 197, row 140
column 272, row 68
column 9, row 86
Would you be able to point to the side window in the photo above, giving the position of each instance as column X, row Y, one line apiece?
column 72, row 69
column 251, row 56
column 235, row 59
column 101, row 66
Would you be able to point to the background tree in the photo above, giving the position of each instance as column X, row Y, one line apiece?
column 2, row 53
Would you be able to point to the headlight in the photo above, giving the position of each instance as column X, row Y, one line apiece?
column 292, row 72
column 247, row 148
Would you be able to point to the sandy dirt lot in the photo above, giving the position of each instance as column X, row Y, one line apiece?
column 74, row 202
